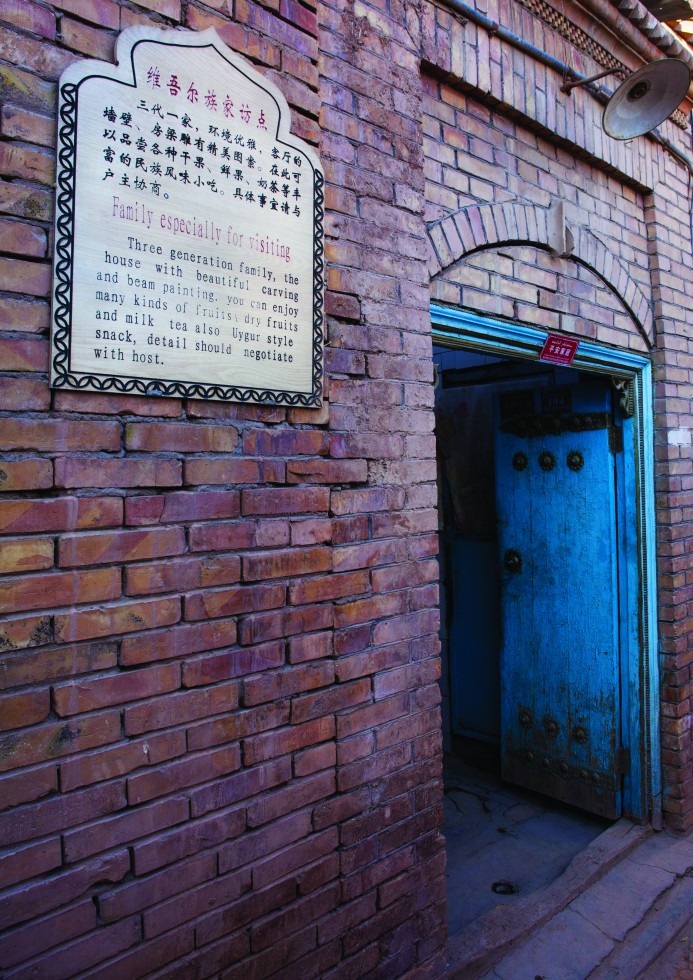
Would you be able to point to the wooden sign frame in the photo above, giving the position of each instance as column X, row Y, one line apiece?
column 208, row 281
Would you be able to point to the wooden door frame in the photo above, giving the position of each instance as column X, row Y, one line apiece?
column 640, row 696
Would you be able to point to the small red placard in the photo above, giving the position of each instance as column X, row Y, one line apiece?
column 559, row 350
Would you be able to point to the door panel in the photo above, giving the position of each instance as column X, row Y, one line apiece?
column 556, row 508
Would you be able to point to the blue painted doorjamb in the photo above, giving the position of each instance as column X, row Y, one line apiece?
column 640, row 674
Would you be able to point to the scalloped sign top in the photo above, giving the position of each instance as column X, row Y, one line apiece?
column 189, row 229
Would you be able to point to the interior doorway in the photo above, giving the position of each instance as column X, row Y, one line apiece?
column 545, row 480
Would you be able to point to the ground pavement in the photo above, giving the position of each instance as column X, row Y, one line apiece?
column 623, row 910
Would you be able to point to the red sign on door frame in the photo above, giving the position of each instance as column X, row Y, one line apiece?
column 559, row 350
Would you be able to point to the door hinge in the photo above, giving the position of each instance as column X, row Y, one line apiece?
column 624, row 761
column 615, row 439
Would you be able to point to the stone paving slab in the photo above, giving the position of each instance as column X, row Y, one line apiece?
column 472, row 952
column 668, row 852
column 620, row 899
column 651, row 938
column 566, row 948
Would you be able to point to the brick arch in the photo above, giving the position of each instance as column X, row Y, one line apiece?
column 483, row 226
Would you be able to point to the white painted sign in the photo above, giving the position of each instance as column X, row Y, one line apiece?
column 188, row 237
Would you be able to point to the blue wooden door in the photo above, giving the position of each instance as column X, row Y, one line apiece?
column 558, row 554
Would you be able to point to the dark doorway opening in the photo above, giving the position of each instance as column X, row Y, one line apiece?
column 504, row 841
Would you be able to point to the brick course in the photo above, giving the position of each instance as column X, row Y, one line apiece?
column 183, row 578
column 219, row 718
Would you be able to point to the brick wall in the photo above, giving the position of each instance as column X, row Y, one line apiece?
column 220, row 734
column 501, row 144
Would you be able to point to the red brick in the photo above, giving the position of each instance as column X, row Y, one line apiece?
column 269, row 745
column 181, row 437
column 147, row 957
column 105, row 13
column 105, row 942
column 220, row 891
column 279, row 564
column 357, row 747
column 193, row 837
column 179, row 641
column 327, row 587
column 123, row 828
column 26, row 474
column 136, row 895
column 294, row 856
column 345, row 502
column 27, row 708
column 333, row 700
column 240, row 786
column 374, row 608
column 211, row 668
column 174, row 508
column 61, row 514
column 230, row 602
column 29, row 862
column 134, row 685
column 55, row 663
column 298, row 794
column 120, row 759
column 19, row 276
column 372, row 661
column 239, row 724
column 58, row 589
column 311, row 531
column 183, row 773
column 401, row 576
column 60, row 812
column 100, row 403
column 363, row 719
column 182, row 574
column 122, row 618
column 233, row 471
column 223, row 535
column 29, row 163
column 313, row 760
column 120, row 546
column 326, row 471
column 56, row 739
column 36, row 937
column 284, row 500
column 25, row 787
column 26, row 554
column 282, row 683
column 285, row 442
column 35, row 203
column 368, row 555
column 268, row 626
column 180, row 708
column 36, row 898
column 23, row 394
column 25, row 631
column 20, row 238
column 413, row 676
column 288, row 921
column 352, row 640
column 311, row 647
column 415, row 624
column 256, row 844
column 81, row 472
column 60, row 435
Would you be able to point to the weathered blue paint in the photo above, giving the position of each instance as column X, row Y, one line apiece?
column 639, row 656
column 560, row 671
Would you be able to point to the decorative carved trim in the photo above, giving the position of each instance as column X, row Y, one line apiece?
column 583, row 42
